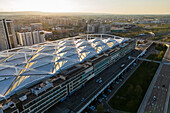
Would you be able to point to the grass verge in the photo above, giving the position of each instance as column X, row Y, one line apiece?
column 130, row 95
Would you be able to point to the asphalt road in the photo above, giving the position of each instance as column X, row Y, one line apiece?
column 107, row 107
column 160, row 90
column 127, row 76
column 91, row 88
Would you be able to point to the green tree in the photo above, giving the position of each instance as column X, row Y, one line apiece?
column 100, row 109
column 130, row 88
column 129, row 92
column 130, row 104
column 138, row 91
column 160, row 55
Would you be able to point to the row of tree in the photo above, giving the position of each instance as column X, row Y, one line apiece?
column 161, row 47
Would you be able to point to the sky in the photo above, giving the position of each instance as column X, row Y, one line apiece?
column 90, row 6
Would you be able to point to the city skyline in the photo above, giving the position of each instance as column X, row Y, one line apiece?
column 93, row 6
column 77, row 56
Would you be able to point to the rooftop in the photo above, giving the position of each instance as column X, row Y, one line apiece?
column 24, row 66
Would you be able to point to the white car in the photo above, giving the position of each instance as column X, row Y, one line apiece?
column 122, row 65
column 154, row 98
column 100, row 81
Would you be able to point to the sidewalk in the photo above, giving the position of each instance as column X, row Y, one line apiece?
column 149, row 91
column 168, row 94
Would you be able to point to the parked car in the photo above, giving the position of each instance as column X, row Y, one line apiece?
column 82, row 99
column 109, row 90
column 104, row 96
column 92, row 108
column 117, row 82
column 100, row 81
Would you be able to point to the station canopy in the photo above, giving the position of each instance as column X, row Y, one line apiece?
column 24, row 65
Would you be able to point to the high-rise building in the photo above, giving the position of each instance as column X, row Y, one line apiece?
column 104, row 28
column 42, row 36
column 92, row 28
column 30, row 38
column 21, row 39
column 36, row 37
column 98, row 28
column 7, row 35
column 36, row 26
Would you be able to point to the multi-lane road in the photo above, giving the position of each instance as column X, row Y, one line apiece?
column 74, row 102
column 159, row 88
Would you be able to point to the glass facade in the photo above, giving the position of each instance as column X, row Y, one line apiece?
column 51, row 97
column 44, row 98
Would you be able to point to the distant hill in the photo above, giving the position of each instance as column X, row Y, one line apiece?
column 69, row 13
column 20, row 13
column 49, row 13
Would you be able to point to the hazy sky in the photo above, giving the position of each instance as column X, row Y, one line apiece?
column 95, row 6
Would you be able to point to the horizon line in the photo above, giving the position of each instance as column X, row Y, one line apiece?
column 91, row 13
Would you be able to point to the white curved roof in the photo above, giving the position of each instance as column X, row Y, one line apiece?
column 47, row 59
